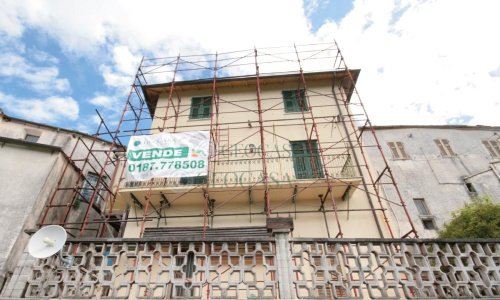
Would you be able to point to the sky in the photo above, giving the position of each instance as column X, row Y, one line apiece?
column 423, row 62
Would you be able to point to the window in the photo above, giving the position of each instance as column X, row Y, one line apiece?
column 425, row 214
column 444, row 147
column 421, row 207
column 493, row 148
column 200, row 107
column 428, row 224
column 295, row 101
column 470, row 188
column 306, row 161
column 193, row 180
column 31, row 138
column 398, row 150
column 88, row 189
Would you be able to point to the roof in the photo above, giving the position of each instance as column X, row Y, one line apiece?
column 463, row 127
column 153, row 91
column 10, row 118
column 38, row 146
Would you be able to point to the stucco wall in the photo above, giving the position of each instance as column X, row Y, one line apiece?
column 427, row 174
column 26, row 178
column 238, row 116
column 29, row 173
column 65, row 139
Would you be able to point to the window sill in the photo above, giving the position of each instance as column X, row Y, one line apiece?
column 199, row 119
column 294, row 112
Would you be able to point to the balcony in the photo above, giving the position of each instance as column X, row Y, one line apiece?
column 232, row 177
column 276, row 267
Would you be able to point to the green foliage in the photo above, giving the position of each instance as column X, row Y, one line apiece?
column 479, row 219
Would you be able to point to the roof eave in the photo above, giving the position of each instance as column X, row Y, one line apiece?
column 151, row 92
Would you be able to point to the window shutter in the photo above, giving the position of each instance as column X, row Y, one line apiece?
column 401, row 150
column 299, row 162
column 448, row 147
column 295, row 101
column 207, row 103
column 200, row 107
column 302, row 101
column 307, row 164
column 441, row 148
column 316, row 160
column 496, row 146
column 489, row 148
column 421, row 207
column 196, row 102
column 394, row 151
column 206, row 112
column 194, row 112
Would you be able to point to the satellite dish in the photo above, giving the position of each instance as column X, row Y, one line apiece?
column 48, row 241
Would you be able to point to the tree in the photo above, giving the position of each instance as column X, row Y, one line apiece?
column 478, row 219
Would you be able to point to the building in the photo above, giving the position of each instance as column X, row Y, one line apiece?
column 438, row 169
column 245, row 177
column 296, row 186
column 34, row 160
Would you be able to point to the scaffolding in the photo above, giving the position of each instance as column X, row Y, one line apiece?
column 166, row 75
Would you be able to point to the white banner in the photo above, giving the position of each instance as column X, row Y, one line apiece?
column 183, row 154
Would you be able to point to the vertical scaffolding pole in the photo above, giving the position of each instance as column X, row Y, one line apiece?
column 320, row 149
column 211, row 145
column 393, row 181
column 356, row 161
column 262, row 141
column 116, row 140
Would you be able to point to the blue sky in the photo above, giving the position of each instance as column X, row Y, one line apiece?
column 423, row 62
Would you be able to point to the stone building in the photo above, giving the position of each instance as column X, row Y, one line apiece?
column 438, row 169
column 34, row 160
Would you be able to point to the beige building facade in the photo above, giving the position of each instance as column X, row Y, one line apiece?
column 301, row 170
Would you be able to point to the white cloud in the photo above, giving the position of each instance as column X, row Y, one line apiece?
column 110, row 107
column 158, row 25
column 113, row 78
column 125, row 61
column 43, row 57
column 104, row 101
column 422, row 61
column 50, row 110
column 41, row 79
column 10, row 22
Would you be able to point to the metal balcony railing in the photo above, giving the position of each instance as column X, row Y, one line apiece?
column 247, row 171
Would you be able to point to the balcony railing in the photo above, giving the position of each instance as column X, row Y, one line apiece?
column 272, row 268
column 248, row 171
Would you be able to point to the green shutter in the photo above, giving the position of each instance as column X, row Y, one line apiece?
column 302, row 101
column 295, row 100
column 193, row 180
column 306, row 163
column 200, row 107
